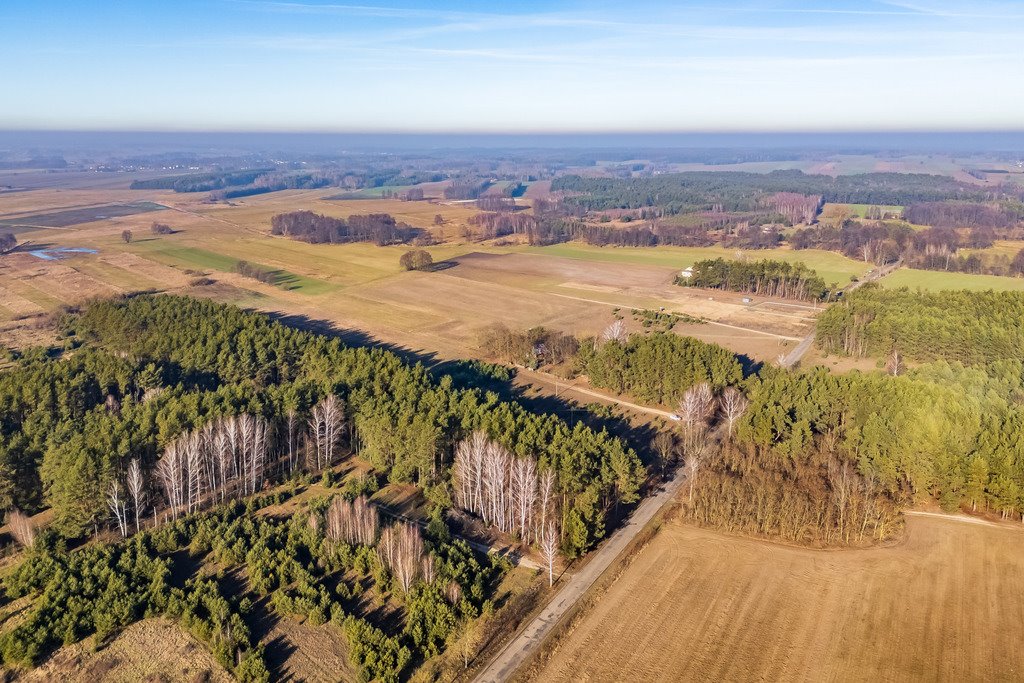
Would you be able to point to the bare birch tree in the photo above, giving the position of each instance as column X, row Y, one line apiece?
column 615, row 332
column 734, row 405
column 22, row 528
column 169, row 470
column 409, row 558
column 137, row 489
column 325, row 423
column 119, row 506
column 894, row 364
column 549, row 550
column 354, row 522
column 505, row 491
column 695, row 409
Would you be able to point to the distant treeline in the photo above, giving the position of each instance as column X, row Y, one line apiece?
column 55, row 161
column 965, row 214
column 765, row 277
column 739, row 191
column 199, row 182
column 973, row 328
column 466, row 189
column 931, row 249
column 380, row 228
column 243, row 183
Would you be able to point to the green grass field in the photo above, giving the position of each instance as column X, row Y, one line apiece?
column 860, row 210
column 1007, row 248
column 936, row 280
column 834, row 268
column 201, row 258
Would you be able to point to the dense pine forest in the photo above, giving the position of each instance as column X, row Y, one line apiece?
column 163, row 416
column 165, row 419
column 973, row 328
column 740, row 191
column 821, row 458
column 309, row 565
column 765, row 278
column 658, row 368
column 146, row 370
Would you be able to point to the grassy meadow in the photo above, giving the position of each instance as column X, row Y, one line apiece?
column 933, row 280
column 829, row 265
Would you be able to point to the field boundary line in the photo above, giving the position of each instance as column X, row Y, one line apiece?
column 709, row 322
column 965, row 519
column 523, row 647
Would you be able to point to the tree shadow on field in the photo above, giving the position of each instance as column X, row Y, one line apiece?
column 638, row 437
column 355, row 338
column 441, row 265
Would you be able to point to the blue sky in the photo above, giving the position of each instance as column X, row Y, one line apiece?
column 511, row 66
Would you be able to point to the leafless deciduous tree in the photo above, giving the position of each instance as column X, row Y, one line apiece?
column 734, row 405
column 325, row 424
column 137, row 489
column 228, row 456
column 894, row 364
column 387, row 547
column 615, row 332
column 695, row 409
column 401, row 550
column 549, row 550
column 694, row 459
column 664, row 444
column 352, row 522
column 119, row 506
column 506, row 491
column 22, row 528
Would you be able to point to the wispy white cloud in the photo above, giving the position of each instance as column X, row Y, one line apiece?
column 961, row 10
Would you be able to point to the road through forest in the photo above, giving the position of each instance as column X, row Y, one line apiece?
column 521, row 648
column 794, row 356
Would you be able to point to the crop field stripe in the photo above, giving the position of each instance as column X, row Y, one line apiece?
column 933, row 280
column 832, row 267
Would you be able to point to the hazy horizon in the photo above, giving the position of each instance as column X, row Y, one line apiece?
column 531, row 68
column 835, row 142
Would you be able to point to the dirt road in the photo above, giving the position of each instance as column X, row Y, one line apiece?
column 522, row 647
column 794, row 356
column 562, row 387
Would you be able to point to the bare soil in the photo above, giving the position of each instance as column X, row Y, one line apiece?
column 700, row 605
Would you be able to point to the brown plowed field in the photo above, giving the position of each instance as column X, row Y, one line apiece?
column 946, row 604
